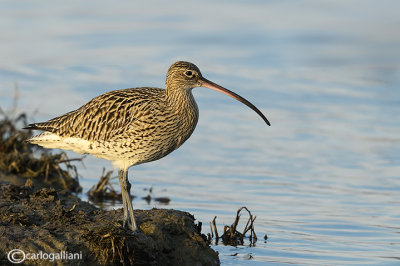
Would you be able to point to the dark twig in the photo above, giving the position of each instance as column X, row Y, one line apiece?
column 231, row 235
column 215, row 230
column 104, row 190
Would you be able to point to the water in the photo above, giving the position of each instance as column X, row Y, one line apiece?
column 323, row 180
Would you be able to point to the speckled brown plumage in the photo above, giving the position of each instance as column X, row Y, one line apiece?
column 129, row 126
column 133, row 126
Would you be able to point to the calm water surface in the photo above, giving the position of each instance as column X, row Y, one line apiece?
column 323, row 180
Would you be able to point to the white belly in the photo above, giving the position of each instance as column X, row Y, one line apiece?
column 104, row 150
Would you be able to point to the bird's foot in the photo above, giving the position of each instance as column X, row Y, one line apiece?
column 126, row 224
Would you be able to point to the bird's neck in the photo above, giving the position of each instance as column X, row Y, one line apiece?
column 181, row 100
column 183, row 104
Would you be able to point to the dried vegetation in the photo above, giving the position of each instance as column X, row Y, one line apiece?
column 232, row 236
column 19, row 158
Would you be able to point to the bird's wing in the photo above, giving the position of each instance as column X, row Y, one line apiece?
column 105, row 116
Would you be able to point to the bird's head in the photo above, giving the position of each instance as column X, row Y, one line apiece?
column 183, row 76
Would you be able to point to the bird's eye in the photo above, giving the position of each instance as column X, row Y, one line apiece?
column 189, row 73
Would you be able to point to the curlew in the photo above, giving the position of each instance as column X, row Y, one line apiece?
column 133, row 126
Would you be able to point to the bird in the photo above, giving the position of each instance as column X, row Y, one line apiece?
column 133, row 126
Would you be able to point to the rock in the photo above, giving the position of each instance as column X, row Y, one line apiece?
column 48, row 221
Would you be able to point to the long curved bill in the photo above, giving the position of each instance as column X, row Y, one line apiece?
column 211, row 85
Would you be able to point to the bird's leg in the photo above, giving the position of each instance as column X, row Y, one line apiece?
column 129, row 219
column 125, row 209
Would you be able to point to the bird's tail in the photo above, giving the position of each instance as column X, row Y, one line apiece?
column 40, row 126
